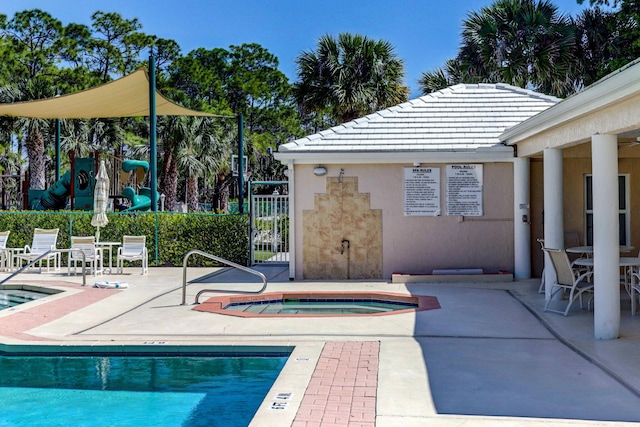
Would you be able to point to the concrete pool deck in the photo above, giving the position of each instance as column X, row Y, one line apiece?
column 487, row 357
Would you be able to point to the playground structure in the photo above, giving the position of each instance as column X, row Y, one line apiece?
column 76, row 187
column 140, row 200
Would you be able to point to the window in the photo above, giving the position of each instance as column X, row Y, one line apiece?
column 623, row 208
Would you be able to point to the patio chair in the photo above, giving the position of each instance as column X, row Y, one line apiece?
column 5, row 253
column 133, row 249
column 544, row 261
column 44, row 240
column 92, row 255
column 567, row 280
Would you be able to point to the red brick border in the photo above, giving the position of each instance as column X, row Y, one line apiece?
column 343, row 387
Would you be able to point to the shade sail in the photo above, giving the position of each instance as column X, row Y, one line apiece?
column 125, row 97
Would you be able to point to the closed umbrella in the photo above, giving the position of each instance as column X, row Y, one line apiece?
column 100, row 197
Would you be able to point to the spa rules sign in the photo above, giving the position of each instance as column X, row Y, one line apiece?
column 464, row 190
column 421, row 191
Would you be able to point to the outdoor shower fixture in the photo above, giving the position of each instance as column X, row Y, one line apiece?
column 342, row 246
column 340, row 176
column 320, row 171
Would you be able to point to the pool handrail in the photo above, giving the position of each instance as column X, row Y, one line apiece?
column 23, row 268
column 223, row 261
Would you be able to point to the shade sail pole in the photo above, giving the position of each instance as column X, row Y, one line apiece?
column 152, row 133
column 57, row 149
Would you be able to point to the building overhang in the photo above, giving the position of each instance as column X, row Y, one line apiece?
column 500, row 153
column 610, row 90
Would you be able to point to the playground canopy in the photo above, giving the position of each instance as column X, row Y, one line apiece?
column 133, row 95
column 125, row 97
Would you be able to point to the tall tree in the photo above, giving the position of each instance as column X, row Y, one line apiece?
column 36, row 40
column 349, row 76
column 115, row 47
column 36, row 131
column 244, row 79
column 526, row 43
column 203, row 149
column 598, row 45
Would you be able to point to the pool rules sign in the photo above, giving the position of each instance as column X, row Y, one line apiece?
column 421, row 191
column 464, row 190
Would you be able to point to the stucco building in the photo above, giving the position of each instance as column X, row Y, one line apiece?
column 426, row 185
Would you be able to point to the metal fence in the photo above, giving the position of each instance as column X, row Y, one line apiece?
column 270, row 229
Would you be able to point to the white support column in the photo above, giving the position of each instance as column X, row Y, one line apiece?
column 553, row 209
column 292, row 221
column 606, row 255
column 521, row 219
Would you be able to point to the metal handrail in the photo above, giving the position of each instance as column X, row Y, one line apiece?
column 23, row 268
column 221, row 260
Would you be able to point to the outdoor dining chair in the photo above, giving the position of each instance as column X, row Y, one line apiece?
column 544, row 261
column 92, row 255
column 567, row 280
column 43, row 245
column 133, row 249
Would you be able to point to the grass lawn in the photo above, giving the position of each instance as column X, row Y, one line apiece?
column 263, row 255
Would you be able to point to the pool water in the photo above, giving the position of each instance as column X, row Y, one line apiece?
column 12, row 297
column 319, row 306
column 134, row 390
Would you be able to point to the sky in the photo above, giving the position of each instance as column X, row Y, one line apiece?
column 424, row 33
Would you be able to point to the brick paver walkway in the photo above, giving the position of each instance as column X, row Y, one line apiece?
column 341, row 393
column 342, row 390
column 16, row 324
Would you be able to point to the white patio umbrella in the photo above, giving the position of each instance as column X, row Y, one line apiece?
column 100, row 197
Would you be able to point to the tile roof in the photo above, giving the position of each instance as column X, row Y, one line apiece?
column 464, row 117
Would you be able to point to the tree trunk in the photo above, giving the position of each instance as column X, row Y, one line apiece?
column 221, row 193
column 169, row 182
column 192, row 194
column 35, row 153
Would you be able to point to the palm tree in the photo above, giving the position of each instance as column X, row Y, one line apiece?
column 202, row 150
column 192, row 146
column 349, row 77
column 441, row 78
column 526, row 43
column 36, row 131
column 598, row 44
column 10, row 164
column 168, row 134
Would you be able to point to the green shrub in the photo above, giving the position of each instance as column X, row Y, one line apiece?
column 225, row 236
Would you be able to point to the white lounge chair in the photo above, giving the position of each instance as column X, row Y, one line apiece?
column 567, row 280
column 6, row 258
column 44, row 240
column 92, row 255
column 133, row 249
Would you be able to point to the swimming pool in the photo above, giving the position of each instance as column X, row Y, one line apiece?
column 13, row 295
column 190, row 389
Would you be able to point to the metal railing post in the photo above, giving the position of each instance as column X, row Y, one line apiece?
column 224, row 261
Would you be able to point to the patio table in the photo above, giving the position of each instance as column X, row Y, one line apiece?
column 627, row 263
column 108, row 246
column 588, row 250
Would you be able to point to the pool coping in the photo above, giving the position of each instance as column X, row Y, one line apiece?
column 148, row 348
column 216, row 304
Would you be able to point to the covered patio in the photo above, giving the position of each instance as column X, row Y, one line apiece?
column 583, row 154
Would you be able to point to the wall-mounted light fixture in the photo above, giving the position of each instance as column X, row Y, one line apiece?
column 416, row 164
column 320, row 171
